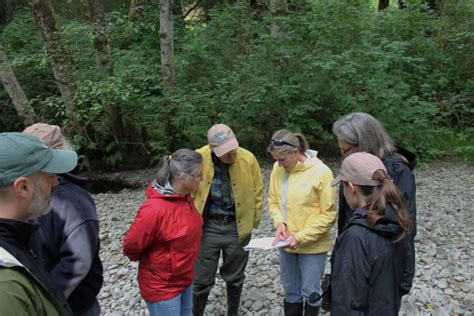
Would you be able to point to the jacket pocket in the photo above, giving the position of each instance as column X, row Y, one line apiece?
column 161, row 266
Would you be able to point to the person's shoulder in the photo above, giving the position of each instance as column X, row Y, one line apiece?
column 204, row 150
column 19, row 294
column 401, row 160
column 322, row 167
column 396, row 166
column 73, row 201
column 357, row 230
column 246, row 155
column 321, row 172
column 15, row 281
column 8, row 274
column 157, row 207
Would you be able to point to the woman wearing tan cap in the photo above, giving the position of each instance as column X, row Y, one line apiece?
column 366, row 260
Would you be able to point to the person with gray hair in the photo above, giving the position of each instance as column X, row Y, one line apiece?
column 302, row 205
column 28, row 170
column 165, row 235
column 67, row 240
column 361, row 132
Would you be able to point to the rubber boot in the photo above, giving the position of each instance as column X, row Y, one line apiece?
column 293, row 309
column 233, row 299
column 199, row 303
column 310, row 310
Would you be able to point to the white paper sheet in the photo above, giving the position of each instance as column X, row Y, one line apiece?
column 265, row 243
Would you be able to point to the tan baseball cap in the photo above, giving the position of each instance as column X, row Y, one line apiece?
column 50, row 134
column 359, row 168
column 221, row 139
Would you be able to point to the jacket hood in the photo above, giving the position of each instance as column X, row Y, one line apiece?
column 311, row 161
column 80, row 181
column 408, row 155
column 387, row 226
column 155, row 190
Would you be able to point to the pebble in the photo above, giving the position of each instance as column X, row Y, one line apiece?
column 442, row 285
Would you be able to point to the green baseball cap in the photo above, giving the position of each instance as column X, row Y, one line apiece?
column 22, row 155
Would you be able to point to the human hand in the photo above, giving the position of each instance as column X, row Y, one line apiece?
column 281, row 233
column 292, row 242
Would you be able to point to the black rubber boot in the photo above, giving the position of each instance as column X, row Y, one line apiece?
column 233, row 299
column 293, row 309
column 310, row 310
column 199, row 303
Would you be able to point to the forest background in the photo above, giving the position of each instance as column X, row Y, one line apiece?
column 133, row 80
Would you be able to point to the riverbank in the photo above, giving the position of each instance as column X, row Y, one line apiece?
column 442, row 286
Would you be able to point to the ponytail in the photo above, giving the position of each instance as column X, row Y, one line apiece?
column 184, row 161
column 387, row 194
column 164, row 170
column 302, row 143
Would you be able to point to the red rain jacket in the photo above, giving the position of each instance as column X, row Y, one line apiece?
column 165, row 237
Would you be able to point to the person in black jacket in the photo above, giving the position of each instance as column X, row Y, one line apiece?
column 67, row 240
column 366, row 260
column 361, row 132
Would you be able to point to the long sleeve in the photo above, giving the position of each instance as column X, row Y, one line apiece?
column 318, row 224
column 258, row 191
column 77, row 253
column 404, row 179
column 350, row 275
column 274, row 193
column 142, row 232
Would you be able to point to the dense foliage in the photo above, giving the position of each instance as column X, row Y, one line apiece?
column 411, row 68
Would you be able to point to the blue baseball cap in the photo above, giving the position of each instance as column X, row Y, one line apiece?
column 22, row 155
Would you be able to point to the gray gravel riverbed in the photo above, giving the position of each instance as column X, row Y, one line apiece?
column 444, row 245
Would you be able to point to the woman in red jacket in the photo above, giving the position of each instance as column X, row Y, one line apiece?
column 165, row 235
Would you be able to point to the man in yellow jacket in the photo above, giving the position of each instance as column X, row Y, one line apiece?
column 230, row 199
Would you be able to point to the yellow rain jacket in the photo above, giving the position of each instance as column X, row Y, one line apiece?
column 310, row 202
column 247, row 188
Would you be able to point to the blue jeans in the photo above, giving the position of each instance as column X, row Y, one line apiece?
column 301, row 275
column 178, row 305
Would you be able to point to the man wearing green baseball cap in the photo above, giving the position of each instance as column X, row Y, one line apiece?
column 28, row 171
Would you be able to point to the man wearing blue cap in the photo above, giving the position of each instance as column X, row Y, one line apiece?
column 28, row 171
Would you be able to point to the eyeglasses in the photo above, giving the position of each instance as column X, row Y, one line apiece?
column 344, row 151
column 281, row 142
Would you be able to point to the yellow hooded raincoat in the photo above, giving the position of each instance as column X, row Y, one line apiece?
column 247, row 187
column 310, row 203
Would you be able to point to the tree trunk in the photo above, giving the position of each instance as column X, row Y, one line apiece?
column 60, row 60
column 104, row 60
column 136, row 9
column 166, row 44
column 278, row 8
column 101, row 41
column 14, row 90
column 383, row 4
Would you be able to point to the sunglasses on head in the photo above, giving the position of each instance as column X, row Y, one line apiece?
column 281, row 142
